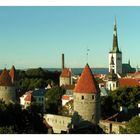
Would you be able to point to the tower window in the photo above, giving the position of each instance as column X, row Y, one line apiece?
column 82, row 97
column 92, row 97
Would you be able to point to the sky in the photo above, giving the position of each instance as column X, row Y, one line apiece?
column 33, row 37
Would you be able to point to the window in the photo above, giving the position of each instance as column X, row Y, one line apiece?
column 82, row 97
column 92, row 97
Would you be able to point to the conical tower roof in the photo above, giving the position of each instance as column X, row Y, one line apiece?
column 12, row 72
column 5, row 79
column 86, row 82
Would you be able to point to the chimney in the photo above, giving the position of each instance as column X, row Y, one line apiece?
column 63, row 61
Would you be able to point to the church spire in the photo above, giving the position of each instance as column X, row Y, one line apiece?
column 115, row 47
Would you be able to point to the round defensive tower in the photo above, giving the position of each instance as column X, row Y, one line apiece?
column 87, row 97
column 7, row 89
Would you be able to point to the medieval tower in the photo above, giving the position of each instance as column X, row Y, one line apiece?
column 65, row 77
column 116, row 53
column 87, row 97
column 7, row 88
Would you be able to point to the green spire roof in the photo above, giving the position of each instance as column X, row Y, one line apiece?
column 115, row 48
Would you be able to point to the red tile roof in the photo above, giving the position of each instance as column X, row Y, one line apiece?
column 65, row 97
column 12, row 72
column 86, row 82
column 125, row 82
column 66, row 72
column 29, row 97
column 5, row 79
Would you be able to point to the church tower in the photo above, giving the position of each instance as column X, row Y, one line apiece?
column 116, row 53
column 112, row 78
column 87, row 97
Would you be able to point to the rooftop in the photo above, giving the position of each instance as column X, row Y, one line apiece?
column 86, row 82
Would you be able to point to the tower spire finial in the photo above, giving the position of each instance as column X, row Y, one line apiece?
column 115, row 23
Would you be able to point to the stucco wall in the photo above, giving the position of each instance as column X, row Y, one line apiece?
column 88, row 107
column 117, row 62
column 7, row 94
column 65, row 81
column 110, row 126
column 58, row 123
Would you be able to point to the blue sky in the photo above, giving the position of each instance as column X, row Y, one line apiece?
column 37, row 36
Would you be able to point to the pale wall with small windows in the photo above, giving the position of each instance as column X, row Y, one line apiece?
column 88, row 106
column 65, row 81
column 58, row 123
column 111, row 85
column 8, row 94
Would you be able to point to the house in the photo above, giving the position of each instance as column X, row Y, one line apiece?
column 37, row 95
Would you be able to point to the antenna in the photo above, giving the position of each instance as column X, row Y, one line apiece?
column 87, row 54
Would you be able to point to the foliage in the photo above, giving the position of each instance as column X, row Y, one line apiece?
column 53, row 99
column 132, row 127
column 35, row 78
column 107, row 107
column 67, row 109
column 7, row 130
column 15, row 120
column 128, row 97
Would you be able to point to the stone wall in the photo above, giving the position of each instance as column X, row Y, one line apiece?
column 57, row 122
column 7, row 94
column 87, row 106
column 111, row 126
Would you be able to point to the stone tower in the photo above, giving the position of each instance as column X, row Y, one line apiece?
column 7, row 89
column 87, row 97
column 116, row 53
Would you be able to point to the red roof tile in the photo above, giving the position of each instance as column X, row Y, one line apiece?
column 86, row 82
column 65, row 97
column 5, row 79
column 29, row 97
column 12, row 72
column 66, row 72
column 125, row 82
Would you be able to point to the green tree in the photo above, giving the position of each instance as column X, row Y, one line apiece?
column 133, row 126
column 53, row 99
column 15, row 120
column 7, row 130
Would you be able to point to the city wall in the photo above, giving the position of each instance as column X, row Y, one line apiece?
column 58, row 123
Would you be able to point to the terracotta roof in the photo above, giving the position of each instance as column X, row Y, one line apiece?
column 66, row 72
column 12, row 72
column 125, row 82
column 65, row 97
column 5, row 79
column 86, row 82
column 29, row 97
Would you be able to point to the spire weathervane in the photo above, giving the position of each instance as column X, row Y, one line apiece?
column 87, row 54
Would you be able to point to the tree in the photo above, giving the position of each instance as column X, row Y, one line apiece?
column 53, row 99
column 7, row 130
column 15, row 120
column 132, row 127
column 128, row 97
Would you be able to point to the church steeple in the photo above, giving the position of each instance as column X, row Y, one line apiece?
column 115, row 55
column 115, row 47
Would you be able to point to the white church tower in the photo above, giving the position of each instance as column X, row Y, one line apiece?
column 116, row 53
